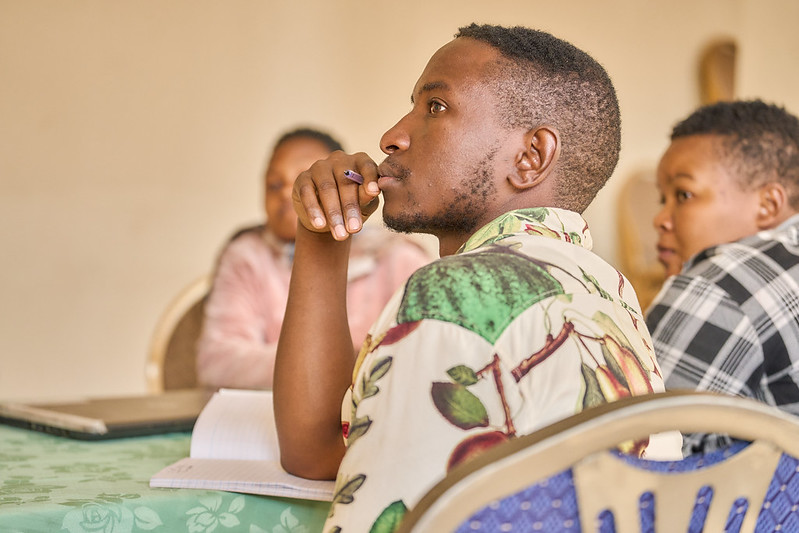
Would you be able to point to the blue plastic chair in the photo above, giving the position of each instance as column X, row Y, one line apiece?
column 568, row 477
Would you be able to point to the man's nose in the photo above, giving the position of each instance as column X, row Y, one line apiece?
column 396, row 138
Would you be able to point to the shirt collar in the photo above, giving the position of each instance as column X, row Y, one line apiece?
column 787, row 231
column 791, row 225
column 548, row 222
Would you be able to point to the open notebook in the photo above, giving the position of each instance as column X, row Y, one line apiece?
column 110, row 417
column 234, row 447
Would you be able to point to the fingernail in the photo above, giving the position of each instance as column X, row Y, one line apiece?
column 354, row 224
column 318, row 222
column 373, row 188
column 341, row 232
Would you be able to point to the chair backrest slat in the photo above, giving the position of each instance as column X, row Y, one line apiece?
column 604, row 481
column 579, row 447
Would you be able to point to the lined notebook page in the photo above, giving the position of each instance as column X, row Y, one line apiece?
column 250, row 477
column 234, row 448
column 236, row 424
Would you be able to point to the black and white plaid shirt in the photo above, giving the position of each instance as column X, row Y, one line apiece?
column 729, row 322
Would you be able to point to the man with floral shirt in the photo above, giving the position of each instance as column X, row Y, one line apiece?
column 511, row 134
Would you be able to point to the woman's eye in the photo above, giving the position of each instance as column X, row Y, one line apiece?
column 683, row 196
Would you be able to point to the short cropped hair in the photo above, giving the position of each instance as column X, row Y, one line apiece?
column 548, row 81
column 310, row 133
column 759, row 142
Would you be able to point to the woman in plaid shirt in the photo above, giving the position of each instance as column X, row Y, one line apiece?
column 727, row 320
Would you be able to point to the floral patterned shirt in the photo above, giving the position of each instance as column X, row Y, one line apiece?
column 522, row 327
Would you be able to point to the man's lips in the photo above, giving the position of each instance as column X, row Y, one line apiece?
column 384, row 181
column 386, row 176
column 391, row 171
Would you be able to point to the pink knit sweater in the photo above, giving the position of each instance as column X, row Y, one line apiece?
column 245, row 308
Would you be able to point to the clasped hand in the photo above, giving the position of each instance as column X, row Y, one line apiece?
column 326, row 200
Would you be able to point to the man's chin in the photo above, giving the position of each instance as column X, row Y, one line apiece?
column 399, row 224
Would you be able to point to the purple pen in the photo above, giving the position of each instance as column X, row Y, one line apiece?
column 354, row 176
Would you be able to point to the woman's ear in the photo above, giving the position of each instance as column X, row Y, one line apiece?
column 772, row 206
column 537, row 158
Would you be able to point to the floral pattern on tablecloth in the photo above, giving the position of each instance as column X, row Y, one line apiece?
column 51, row 484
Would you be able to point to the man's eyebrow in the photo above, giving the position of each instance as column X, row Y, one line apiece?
column 430, row 86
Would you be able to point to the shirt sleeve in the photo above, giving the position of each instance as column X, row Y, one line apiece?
column 703, row 340
column 232, row 350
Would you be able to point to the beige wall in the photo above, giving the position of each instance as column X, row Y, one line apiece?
column 133, row 134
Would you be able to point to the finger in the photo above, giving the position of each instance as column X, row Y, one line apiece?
column 327, row 191
column 316, row 200
column 368, row 170
column 369, row 191
column 306, row 203
column 328, row 196
column 371, row 207
column 348, row 194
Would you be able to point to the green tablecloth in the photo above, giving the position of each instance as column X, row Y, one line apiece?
column 54, row 484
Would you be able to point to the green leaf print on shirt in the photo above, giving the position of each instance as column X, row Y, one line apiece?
column 345, row 488
column 592, row 393
column 507, row 225
column 463, row 374
column 458, row 405
column 481, row 291
column 389, row 520
column 361, row 424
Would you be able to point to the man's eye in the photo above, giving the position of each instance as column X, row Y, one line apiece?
column 436, row 107
column 683, row 196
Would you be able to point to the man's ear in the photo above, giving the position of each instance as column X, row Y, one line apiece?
column 537, row 158
column 772, row 205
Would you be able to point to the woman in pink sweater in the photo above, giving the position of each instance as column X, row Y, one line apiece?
column 244, row 310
